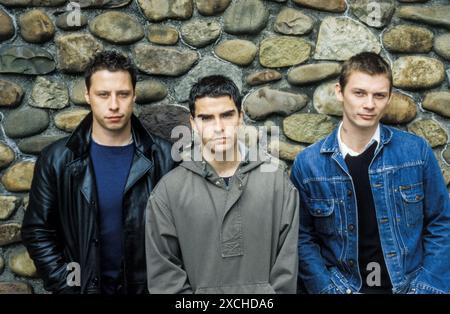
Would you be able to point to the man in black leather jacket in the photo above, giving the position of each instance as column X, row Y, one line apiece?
column 84, row 226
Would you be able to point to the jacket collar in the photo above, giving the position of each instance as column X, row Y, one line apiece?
column 204, row 169
column 79, row 141
column 331, row 142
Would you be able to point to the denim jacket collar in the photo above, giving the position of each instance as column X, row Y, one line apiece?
column 331, row 143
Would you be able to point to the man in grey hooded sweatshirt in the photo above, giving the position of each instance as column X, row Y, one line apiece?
column 225, row 222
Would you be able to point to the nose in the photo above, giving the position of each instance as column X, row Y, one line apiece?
column 114, row 104
column 218, row 126
column 370, row 103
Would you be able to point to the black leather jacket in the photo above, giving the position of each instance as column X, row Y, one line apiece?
column 61, row 226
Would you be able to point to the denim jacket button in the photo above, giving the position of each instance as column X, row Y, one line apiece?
column 349, row 192
column 351, row 227
column 348, row 291
column 351, row 263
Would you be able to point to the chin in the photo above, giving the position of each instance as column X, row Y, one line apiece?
column 221, row 149
column 115, row 127
column 366, row 124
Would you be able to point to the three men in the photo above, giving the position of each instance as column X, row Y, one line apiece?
column 375, row 211
column 222, row 224
column 373, row 207
column 89, row 192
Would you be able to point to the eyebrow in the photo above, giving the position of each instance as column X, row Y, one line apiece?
column 202, row 115
column 363, row 90
column 119, row 91
column 227, row 112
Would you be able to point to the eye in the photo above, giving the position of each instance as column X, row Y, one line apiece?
column 380, row 96
column 205, row 118
column 124, row 95
column 103, row 95
column 358, row 93
column 228, row 114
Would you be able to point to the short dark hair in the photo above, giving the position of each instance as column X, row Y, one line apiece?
column 366, row 62
column 112, row 61
column 214, row 86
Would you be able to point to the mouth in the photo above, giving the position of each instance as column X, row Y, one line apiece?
column 367, row 116
column 114, row 118
column 221, row 139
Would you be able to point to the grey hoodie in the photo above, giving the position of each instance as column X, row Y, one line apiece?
column 203, row 236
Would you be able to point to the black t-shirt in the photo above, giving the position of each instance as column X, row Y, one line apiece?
column 369, row 245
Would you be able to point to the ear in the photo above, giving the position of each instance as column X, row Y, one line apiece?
column 86, row 97
column 390, row 98
column 338, row 92
column 193, row 124
column 388, row 104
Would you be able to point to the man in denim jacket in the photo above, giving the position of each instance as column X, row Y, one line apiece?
column 375, row 211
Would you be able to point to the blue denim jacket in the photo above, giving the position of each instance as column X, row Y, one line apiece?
column 412, row 209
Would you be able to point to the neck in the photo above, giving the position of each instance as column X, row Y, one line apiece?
column 226, row 166
column 111, row 138
column 356, row 138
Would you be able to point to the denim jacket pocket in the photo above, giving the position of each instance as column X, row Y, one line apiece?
column 412, row 199
column 322, row 211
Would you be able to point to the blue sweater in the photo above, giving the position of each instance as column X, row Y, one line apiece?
column 111, row 167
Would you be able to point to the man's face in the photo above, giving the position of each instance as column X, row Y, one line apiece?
column 217, row 121
column 111, row 97
column 365, row 99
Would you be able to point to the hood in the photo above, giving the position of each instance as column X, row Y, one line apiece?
column 204, row 169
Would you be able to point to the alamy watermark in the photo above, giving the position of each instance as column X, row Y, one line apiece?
column 74, row 276
column 74, row 14
column 374, row 276
column 256, row 141
column 374, row 17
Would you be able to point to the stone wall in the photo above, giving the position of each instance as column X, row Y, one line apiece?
column 285, row 55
